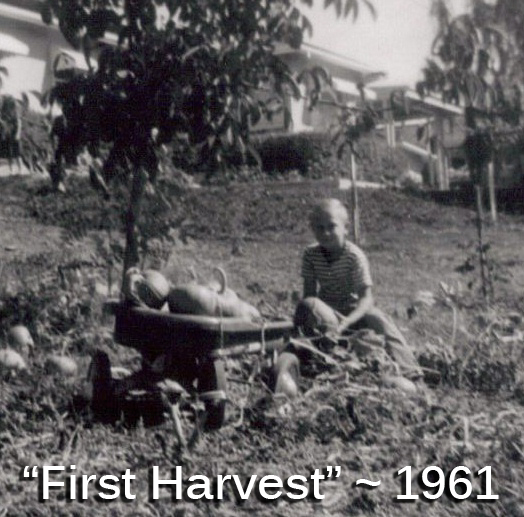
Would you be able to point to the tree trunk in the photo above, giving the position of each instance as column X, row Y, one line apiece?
column 131, row 256
column 355, row 208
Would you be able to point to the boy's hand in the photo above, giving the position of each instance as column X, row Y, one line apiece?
column 331, row 336
column 340, row 330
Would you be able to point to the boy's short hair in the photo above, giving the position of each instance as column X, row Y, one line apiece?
column 329, row 205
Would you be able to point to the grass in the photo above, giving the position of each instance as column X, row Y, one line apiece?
column 473, row 417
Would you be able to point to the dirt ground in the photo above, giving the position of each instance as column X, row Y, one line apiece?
column 348, row 417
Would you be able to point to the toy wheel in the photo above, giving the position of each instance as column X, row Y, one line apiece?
column 286, row 375
column 99, row 384
column 212, row 386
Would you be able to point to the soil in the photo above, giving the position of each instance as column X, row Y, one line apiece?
column 470, row 414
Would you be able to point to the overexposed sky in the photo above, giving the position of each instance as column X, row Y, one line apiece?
column 397, row 42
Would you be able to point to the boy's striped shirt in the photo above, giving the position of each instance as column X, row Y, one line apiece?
column 338, row 282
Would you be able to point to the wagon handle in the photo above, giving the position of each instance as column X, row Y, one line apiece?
column 222, row 277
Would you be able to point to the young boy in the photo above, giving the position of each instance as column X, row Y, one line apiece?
column 337, row 293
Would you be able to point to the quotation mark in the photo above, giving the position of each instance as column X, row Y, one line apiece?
column 330, row 470
column 30, row 474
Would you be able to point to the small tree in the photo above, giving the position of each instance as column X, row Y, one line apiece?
column 474, row 64
column 179, row 70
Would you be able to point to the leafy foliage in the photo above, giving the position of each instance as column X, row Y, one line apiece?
column 473, row 56
column 176, row 70
column 179, row 70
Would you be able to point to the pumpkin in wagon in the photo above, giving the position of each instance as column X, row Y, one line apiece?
column 207, row 300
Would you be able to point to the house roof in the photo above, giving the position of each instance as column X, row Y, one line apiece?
column 27, row 11
column 434, row 103
column 427, row 103
column 339, row 65
column 30, row 5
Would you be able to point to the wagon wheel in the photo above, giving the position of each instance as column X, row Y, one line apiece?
column 99, row 388
column 286, row 375
column 212, row 385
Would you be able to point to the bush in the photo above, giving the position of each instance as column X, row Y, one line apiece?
column 280, row 154
column 36, row 149
column 312, row 155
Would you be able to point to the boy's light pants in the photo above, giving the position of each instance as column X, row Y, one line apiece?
column 312, row 314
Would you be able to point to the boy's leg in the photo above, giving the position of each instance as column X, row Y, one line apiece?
column 312, row 316
column 396, row 345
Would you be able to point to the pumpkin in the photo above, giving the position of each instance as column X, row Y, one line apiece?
column 400, row 383
column 20, row 338
column 11, row 360
column 130, row 286
column 149, row 287
column 153, row 288
column 210, row 300
column 62, row 365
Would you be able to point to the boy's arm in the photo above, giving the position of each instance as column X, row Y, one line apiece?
column 309, row 288
column 365, row 302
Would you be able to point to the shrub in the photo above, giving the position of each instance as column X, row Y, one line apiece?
column 283, row 153
column 35, row 148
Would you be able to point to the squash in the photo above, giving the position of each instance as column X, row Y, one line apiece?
column 11, row 360
column 400, row 383
column 210, row 300
column 62, row 365
column 20, row 338
column 132, row 278
column 148, row 288
column 153, row 288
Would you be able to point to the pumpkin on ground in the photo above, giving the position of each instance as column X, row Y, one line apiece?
column 19, row 338
column 11, row 360
column 62, row 365
column 400, row 383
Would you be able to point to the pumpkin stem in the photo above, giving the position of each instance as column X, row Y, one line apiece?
column 222, row 278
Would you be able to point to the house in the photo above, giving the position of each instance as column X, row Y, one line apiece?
column 28, row 48
column 429, row 131
column 348, row 76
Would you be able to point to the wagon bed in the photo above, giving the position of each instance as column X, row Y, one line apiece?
column 154, row 332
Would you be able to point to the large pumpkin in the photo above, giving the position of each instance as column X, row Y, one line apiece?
column 153, row 288
column 205, row 300
column 149, row 287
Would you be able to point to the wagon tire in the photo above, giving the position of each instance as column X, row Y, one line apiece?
column 212, row 381
column 286, row 375
column 99, row 388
